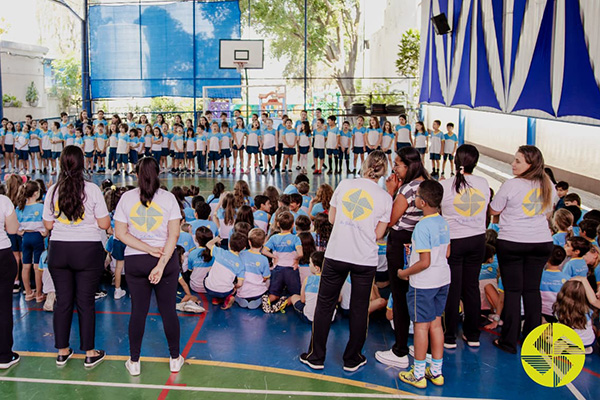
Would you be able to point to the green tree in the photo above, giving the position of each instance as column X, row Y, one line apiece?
column 332, row 39
column 407, row 63
column 67, row 74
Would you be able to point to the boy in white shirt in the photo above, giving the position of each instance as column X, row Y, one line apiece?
column 429, row 280
column 449, row 146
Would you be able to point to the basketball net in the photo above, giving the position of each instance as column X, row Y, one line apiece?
column 240, row 65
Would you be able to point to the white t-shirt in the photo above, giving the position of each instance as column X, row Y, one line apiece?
column 403, row 133
column 522, row 217
column 268, row 138
column 359, row 136
column 435, row 142
column 466, row 211
column 157, row 146
column 432, row 234
column 82, row 230
column 360, row 205
column 332, row 137
column 373, row 136
column 6, row 209
column 150, row 225
column 46, row 145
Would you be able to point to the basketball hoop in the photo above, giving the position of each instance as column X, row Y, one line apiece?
column 240, row 65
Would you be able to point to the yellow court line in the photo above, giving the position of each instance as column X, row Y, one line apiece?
column 281, row 371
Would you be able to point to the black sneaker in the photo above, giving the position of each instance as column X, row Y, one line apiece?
column 117, row 172
column 298, row 168
column 304, row 360
column 16, row 288
column 14, row 360
column 357, row 366
column 95, row 360
column 62, row 360
column 100, row 294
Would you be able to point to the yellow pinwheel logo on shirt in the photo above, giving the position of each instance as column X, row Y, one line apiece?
column 533, row 203
column 146, row 219
column 553, row 355
column 62, row 218
column 357, row 204
column 469, row 202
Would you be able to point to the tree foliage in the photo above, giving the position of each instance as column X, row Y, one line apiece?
column 407, row 63
column 332, row 35
column 67, row 74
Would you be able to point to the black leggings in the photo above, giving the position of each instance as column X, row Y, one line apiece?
column 76, row 269
column 137, row 270
column 332, row 279
column 521, row 266
column 395, row 258
column 8, row 271
column 466, row 256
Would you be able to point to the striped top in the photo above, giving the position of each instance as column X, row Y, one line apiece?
column 412, row 215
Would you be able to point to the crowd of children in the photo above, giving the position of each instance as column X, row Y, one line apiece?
column 222, row 146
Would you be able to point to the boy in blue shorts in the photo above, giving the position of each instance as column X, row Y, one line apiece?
column 449, row 146
column 435, row 147
column 429, row 280
column 319, row 137
column 213, row 140
column 576, row 247
column 285, row 249
column 226, row 142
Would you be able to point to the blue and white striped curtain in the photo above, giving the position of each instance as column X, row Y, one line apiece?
column 539, row 58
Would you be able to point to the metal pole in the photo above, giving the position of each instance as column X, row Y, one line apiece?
column 305, row 48
column 194, row 55
column 85, row 63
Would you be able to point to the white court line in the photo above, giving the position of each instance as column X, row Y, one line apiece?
column 226, row 390
column 575, row 392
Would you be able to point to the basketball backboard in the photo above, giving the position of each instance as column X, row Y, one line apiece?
column 235, row 51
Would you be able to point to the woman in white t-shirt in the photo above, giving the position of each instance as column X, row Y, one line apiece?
column 76, row 213
column 8, row 225
column 524, row 204
column 147, row 222
column 360, row 212
column 464, row 207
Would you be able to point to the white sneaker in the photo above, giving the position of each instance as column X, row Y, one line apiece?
column 192, row 307
column 450, row 346
column 134, row 368
column 175, row 364
column 411, row 351
column 389, row 358
column 49, row 304
column 119, row 293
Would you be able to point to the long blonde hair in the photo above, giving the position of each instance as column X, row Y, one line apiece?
column 533, row 156
column 375, row 166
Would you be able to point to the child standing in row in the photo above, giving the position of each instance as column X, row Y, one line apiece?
column 435, row 148
column 450, row 142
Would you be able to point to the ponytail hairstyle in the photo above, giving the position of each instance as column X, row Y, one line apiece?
column 229, row 207
column 306, row 128
column 70, row 185
column 465, row 160
column 562, row 221
column 179, row 194
column 325, row 193
column 112, row 197
column 411, row 157
column 308, row 247
column 147, row 171
column 533, row 156
column 13, row 183
column 204, row 235
column 375, row 166
column 25, row 192
column 43, row 189
column 218, row 189
column 571, row 306
column 273, row 194
column 323, row 230
column 241, row 191
column 245, row 214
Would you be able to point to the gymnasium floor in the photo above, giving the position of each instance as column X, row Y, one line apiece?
column 242, row 354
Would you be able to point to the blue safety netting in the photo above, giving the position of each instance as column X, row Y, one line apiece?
column 148, row 50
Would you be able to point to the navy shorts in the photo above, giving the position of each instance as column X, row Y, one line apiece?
column 319, row 153
column 34, row 149
column 421, row 150
column 180, row 155
column 189, row 155
column 370, row 150
column 211, row 293
column 252, row 149
column 56, row 155
column 448, row 157
column 214, row 156
column 435, row 156
column 118, row 250
column 344, row 154
column 289, row 151
column 89, row 154
column 46, row 154
column 33, row 247
column 100, row 155
column 270, row 152
column 358, row 150
column 333, row 152
column 402, row 145
column 235, row 147
column 122, row 158
column 225, row 153
column 304, row 149
column 16, row 242
column 164, row 152
column 425, row 305
column 171, row 153
column 23, row 154
column 8, row 148
column 282, row 277
column 299, row 308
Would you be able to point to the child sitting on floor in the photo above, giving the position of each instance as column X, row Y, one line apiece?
column 256, row 272
column 306, row 303
column 576, row 247
column 552, row 281
column 200, row 259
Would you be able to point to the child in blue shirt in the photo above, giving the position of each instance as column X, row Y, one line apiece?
column 562, row 222
column 319, row 137
column 429, row 280
column 333, row 145
column 200, row 259
column 227, row 272
column 435, row 147
column 552, row 281
column 491, row 299
column 226, row 140
column 450, row 140
column 261, row 215
column 576, row 247
column 285, row 249
column 256, row 272
column 305, row 303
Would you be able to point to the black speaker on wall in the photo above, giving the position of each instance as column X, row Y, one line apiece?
column 440, row 24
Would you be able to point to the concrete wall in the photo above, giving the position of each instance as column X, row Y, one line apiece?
column 22, row 64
